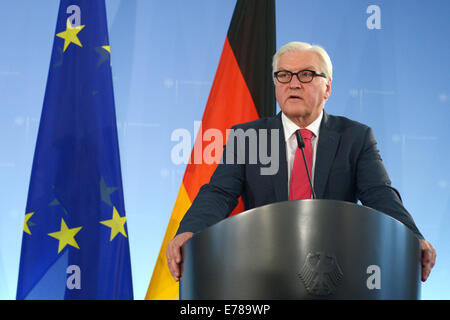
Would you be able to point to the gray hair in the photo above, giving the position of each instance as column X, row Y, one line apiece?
column 303, row 46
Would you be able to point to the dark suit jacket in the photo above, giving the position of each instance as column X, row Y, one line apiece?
column 348, row 167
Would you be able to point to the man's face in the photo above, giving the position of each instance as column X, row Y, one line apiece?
column 302, row 102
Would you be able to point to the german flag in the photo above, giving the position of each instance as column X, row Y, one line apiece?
column 242, row 91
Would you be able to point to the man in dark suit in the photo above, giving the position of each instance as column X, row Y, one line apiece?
column 343, row 157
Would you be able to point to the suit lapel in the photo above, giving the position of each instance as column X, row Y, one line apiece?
column 326, row 152
column 280, row 179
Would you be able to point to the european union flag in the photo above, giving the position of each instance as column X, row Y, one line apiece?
column 75, row 240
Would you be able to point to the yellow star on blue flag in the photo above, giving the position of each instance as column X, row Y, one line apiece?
column 117, row 224
column 65, row 236
column 70, row 35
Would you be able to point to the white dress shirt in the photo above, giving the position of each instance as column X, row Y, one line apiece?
column 289, row 129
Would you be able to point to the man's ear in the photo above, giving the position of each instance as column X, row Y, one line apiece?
column 328, row 89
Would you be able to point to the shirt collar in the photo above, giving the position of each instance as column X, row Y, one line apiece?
column 290, row 127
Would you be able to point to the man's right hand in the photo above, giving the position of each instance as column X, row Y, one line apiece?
column 173, row 253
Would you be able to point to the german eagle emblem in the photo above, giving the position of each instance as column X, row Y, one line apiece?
column 321, row 274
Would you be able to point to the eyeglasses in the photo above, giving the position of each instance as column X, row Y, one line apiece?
column 304, row 76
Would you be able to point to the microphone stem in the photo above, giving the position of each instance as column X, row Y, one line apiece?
column 313, row 194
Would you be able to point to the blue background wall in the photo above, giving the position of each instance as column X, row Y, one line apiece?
column 164, row 58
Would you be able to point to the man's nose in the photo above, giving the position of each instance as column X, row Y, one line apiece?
column 295, row 83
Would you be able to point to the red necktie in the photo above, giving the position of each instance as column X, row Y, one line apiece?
column 299, row 188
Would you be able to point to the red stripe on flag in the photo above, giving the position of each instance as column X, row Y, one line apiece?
column 229, row 103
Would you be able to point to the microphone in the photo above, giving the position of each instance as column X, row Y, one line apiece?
column 301, row 145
